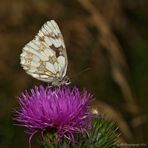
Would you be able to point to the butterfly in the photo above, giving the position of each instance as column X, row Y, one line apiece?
column 45, row 57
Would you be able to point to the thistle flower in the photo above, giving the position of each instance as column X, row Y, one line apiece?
column 62, row 110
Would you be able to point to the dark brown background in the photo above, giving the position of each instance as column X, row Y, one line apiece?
column 107, row 47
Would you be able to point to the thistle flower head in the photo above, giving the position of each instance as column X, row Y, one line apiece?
column 62, row 110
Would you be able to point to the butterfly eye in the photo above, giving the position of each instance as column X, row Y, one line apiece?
column 67, row 82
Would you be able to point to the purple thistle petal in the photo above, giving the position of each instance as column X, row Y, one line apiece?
column 63, row 110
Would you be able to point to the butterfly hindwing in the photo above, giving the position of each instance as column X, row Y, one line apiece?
column 45, row 57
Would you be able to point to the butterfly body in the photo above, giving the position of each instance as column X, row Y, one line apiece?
column 62, row 81
column 45, row 57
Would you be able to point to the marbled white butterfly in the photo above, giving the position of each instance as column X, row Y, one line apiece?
column 45, row 57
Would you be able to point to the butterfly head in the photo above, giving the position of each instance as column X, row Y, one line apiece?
column 61, row 81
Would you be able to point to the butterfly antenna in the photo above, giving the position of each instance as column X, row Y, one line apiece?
column 84, row 70
column 81, row 72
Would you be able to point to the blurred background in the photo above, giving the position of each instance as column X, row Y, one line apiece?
column 106, row 44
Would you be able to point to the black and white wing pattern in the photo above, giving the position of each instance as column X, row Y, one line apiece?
column 45, row 57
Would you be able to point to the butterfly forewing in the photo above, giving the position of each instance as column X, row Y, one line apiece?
column 45, row 57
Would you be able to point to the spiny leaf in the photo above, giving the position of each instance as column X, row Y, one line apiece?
column 102, row 134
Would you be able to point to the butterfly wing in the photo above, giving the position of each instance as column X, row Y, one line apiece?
column 45, row 57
